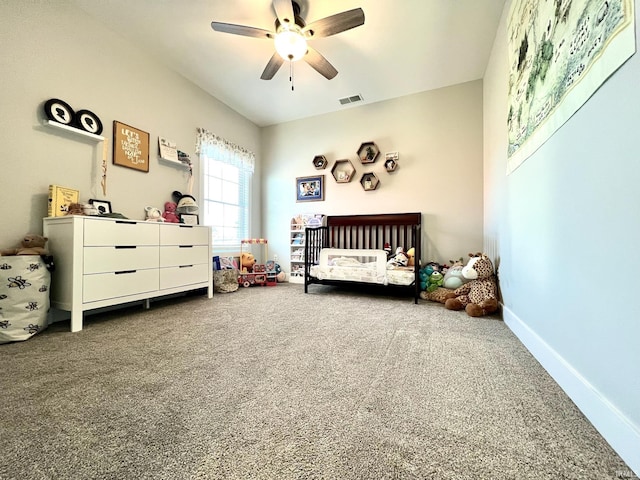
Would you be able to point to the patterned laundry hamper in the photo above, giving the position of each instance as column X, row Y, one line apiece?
column 24, row 296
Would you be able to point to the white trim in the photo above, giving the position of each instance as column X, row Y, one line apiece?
column 618, row 430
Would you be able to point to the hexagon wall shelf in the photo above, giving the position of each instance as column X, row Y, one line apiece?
column 369, row 181
column 320, row 162
column 343, row 171
column 368, row 152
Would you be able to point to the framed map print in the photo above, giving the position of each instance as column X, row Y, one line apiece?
column 560, row 53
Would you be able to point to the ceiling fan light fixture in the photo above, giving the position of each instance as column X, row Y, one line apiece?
column 290, row 44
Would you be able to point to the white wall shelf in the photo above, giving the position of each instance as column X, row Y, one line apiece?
column 177, row 163
column 77, row 131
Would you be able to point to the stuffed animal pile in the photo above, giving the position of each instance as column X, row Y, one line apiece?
column 477, row 292
column 479, row 296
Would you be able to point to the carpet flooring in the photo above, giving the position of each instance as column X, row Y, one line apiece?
column 270, row 383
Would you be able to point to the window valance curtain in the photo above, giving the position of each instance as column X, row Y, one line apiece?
column 213, row 146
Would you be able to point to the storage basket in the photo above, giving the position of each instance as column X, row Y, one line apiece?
column 24, row 297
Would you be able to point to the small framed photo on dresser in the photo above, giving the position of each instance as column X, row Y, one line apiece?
column 189, row 219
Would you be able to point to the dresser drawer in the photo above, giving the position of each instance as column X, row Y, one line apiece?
column 171, row 277
column 119, row 232
column 183, row 235
column 174, row 255
column 115, row 259
column 103, row 286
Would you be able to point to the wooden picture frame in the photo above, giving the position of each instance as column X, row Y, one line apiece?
column 310, row 189
column 190, row 218
column 130, row 147
column 103, row 206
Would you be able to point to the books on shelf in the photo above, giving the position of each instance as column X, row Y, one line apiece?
column 167, row 149
column 59, row 200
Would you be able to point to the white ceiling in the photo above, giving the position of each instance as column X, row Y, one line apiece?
column 404, row 47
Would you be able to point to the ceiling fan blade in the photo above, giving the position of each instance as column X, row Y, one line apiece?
column 333, row 24
column 319, row 63
column 272, row 67
column 284, row 11
column 241, row 30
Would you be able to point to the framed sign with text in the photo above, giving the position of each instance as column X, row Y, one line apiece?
column 130, row 147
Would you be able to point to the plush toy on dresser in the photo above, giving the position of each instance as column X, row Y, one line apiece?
column 169, row 214
column 153, row 214
column 31, row 244
column 480, row 295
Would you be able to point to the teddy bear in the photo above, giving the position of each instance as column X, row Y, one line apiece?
column 31, row 244
column 169, row 213
column 480, row 295
column 75, row 209
column 153, row 214
column 247, row 261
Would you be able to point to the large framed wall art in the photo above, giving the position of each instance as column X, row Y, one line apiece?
column 130, row 147
column 559, row 55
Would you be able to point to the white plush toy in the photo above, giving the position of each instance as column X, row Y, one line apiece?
column 400, row 259
column 153, row 214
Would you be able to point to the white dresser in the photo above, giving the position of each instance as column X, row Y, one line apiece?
column 105, row 261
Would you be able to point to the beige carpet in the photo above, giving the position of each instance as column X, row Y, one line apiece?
column 270, row 383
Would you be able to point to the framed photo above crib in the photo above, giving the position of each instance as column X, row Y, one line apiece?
column 309, row 189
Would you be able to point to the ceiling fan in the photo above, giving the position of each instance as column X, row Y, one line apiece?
column 292, row 33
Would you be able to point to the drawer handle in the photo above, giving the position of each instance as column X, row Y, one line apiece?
column 185, row 246
column 122, row 272
column 124, row 246
column 185, row 266
column 125, row 222
column 182, row 225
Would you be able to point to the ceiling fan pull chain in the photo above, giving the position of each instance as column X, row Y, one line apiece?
column 291, row 74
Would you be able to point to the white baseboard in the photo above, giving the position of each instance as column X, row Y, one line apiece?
column 618, row 430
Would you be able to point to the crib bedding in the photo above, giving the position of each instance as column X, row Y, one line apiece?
column 359, row 265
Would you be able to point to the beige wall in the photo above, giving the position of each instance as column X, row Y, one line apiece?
column 49, row 51
column 438, row 135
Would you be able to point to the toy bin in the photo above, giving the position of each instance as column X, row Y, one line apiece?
column 24, row 297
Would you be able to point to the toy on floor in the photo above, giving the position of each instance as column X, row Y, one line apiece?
column 440, row 294
column 247, row 261
column 253, row 273
column 480, row 296
column 31, row 244
column 435, row 280
column 453, row 278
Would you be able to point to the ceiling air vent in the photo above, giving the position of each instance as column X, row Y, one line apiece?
column 351, row 99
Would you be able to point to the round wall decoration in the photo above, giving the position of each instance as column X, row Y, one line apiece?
column 58, row 111
column 88, row 121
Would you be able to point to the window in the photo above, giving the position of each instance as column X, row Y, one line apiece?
column 227, row 171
